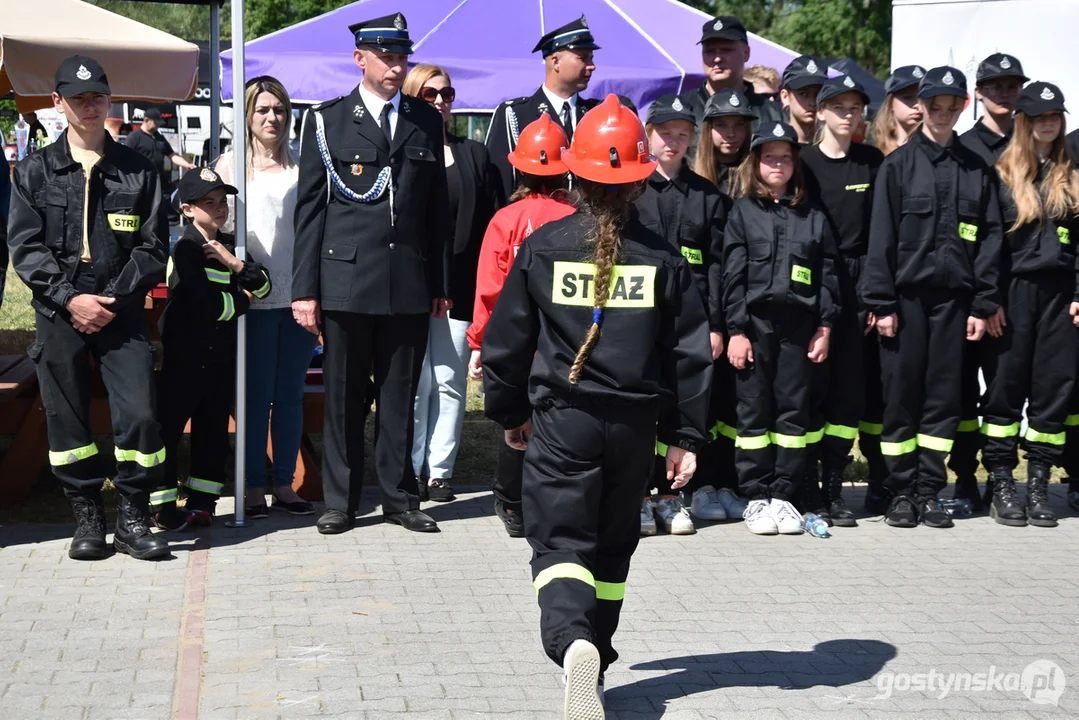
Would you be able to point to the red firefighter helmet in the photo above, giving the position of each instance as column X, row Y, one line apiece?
column 539, row 148
column 610, row 146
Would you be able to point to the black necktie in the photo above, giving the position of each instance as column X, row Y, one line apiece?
column 384, row 123
column 566, row 122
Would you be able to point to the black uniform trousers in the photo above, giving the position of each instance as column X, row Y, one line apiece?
column 977, row 358
column 1070, row 459
column 584, row 474
column 872, row 422
column 775, row 403
column 508, row 472
column 393, row 347
column 199, row 389
column 840, row 385
column 921, row 369
column 122, row 351
column 1034, row 360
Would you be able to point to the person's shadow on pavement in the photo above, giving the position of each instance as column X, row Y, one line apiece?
column 830, row 664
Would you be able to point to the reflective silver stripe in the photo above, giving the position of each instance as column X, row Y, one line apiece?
column 206, row 486
column 161, row 497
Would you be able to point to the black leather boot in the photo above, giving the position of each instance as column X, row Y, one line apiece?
column 1039, row 513
column 966, row 488
column 842, row 516
column 987, row 496
column 88, row 542
column 133, row 535
column 1005, row 507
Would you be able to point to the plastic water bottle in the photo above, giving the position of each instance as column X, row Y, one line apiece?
column 960, row 508
column 815, row 526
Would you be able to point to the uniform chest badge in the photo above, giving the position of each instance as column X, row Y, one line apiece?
column 405, row 106
column 358, row 111
column 356, row 169
column 542, row 107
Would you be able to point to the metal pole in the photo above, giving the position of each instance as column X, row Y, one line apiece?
column 215, row 82
column 239, row 179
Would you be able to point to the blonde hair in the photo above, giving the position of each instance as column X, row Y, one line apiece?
column 748, row 182
column 762, row 72
column 420, row 75
column 283, row 152
column 1058, row 193
column 886, row 127
column 705, row 163
column 553, row 186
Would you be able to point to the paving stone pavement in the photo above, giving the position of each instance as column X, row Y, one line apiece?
column 276, row 621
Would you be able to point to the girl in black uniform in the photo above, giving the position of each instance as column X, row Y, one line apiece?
column 839, row 177
column 1035, row 359
column 724, row 139
column 588, row 405
column 899, row 114
column 931, row 281
column 690, row 213
column 781, row 298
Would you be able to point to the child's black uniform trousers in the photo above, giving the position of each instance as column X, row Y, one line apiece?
column 690, row 212
column 590, row 453
column 934, row 255
column 198, row 375
column 779, row 286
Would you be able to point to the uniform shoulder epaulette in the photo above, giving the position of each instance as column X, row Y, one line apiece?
column 327, row 103
column 517, row 100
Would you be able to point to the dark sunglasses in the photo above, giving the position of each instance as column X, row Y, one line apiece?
column 429, row 94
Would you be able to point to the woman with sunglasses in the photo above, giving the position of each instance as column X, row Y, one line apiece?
column 474, row 198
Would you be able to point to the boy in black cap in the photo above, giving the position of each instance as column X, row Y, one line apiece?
column 802, row 80
column 724, row 54
column 209, row 288
column 567, row 59
column 87, row 234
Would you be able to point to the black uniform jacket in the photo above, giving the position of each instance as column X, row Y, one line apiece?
column 1073, row 145
column 205, row 298
column 653, row 347
column 985, row 142
column 357, row 257
column 1046, row 245
column 127, row 224
column 920, row 236
column 690, row 212
column 500, row 133
column 778, row 256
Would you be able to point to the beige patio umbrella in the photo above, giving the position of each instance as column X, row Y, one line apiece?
column 142, row 63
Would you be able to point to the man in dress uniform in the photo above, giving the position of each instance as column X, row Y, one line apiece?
column 370, row 266
column 724, row 53
column 567, row 58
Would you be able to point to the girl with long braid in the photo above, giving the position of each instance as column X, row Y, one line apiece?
column 598, row 343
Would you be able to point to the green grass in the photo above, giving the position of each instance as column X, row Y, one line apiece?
column 16, row 317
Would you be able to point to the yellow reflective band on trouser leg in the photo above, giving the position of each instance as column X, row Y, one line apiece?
column 1071, row 421
column 788, row 441
column 968, row 425
column 1048, row 438
column 757, row 442
column 610, row 591
column 870, row 428
column 160, row 497
column 206, row 486
column 722, row 428
column 840, row 431
column 930, row 442
column 1000, row 431
column 814, row 437
column 563, row 571
column 895, row 449
column 70, row 457
column 151, row 460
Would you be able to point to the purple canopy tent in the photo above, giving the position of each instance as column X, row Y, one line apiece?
column 648, row 48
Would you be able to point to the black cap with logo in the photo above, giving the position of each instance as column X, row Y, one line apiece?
column 999, row 65
column 774, row 132
column 152, row 114
column 943, row 80
column 803, row 71
column 903, row 77
column 1039, row 98
column 386, row 34
column 728, row 102
column 80, row 74
column 197, row 183
column 571, row 36
column 669, row 107
column 724, row 27
column 834, row 87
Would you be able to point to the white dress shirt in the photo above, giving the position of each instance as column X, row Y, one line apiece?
column 374, row 105
column 556, row 105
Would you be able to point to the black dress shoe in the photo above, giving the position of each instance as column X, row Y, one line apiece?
column 334, row 522
column 515, row 526
column 413, row 520
column 440, row 490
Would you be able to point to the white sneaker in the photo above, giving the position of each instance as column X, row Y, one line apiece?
column 648, row 518
column 734, row 505
column 674, row 517
column 705, row 505
column 759, row 520
column 580, row 666
column 788, row 521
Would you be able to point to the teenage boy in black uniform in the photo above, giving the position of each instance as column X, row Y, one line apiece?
column 209, row 288
column 802, row 80
column 88, row 235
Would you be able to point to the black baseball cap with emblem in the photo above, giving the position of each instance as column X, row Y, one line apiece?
column 774, row 132
column 723, row 27
column 80, row 74
column 1039, row 98
column 386, row 34
column 803, row 71
column 943, row 80
column 834, row 87
column 152, row 114
column 999, row 65
column 728, row 102
column 669, row 107
column 571, row 36
column 200, row 182
column 903, row 77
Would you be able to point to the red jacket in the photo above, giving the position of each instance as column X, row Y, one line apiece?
column 508, row 229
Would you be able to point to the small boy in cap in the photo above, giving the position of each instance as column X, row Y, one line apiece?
column 802, row 80
column 209, row 287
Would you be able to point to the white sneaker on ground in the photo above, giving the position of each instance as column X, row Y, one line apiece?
column 648, row 518
column 788, row 521
column 759, row 520
column 674, row 517
column 580, row 666
column 734, row 505
column 705, row 506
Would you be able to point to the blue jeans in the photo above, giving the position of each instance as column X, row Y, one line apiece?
column 440, row 398
column 278, row 354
